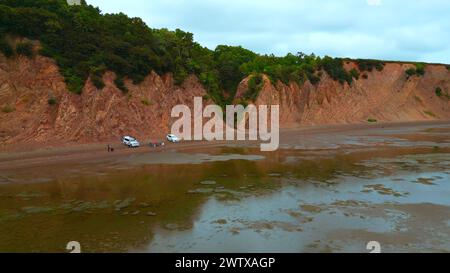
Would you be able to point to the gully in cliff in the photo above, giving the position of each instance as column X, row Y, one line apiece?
column 240, row 121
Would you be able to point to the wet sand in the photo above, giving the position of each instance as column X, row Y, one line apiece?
column 309, row 138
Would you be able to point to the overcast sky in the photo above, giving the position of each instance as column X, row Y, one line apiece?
column 415, row 30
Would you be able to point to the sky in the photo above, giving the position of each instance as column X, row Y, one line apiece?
column 417, row 30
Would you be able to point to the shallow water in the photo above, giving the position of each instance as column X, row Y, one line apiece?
column 235, row 200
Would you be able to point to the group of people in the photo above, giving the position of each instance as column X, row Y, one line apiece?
column 157, row 144
column 152, row 144
column 110, row 148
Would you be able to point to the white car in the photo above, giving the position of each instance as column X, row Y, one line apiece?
column 130, row 142
column 173, row 138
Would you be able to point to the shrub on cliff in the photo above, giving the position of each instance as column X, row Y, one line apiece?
column 228, row 60
column 255, row 84
column 8, row 109
column 146, row 102
column 52, row 101
column 410, row 72
column 73, row 82
column 355, row 74
column 97, row 81
column 121, row 84
column 334, row 67
column 97, row 76
column 369, row 65
column 6, row 48
column 419, row 70
column 441, row 94
column 297, row 68
column 314, row 79
column 25, row 49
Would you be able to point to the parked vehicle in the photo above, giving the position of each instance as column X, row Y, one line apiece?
column 130, row 142
column 173, row 138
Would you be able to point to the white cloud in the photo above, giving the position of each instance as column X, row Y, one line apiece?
column 374, row 2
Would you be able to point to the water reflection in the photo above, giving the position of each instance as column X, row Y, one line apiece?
column 287, row 201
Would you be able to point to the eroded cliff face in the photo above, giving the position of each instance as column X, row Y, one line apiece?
column 387, row 96
column 26, row 116
column 26, row 85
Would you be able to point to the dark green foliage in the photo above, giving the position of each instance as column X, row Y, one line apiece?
column 73, row 82
column 354, row 73
column 291, row 68
column 419, row 70
column 81, row 39
column 86, row 43
column 411, row 72
column 372, row 120
column 255, row 84
column 52, row 101
column 314, row 79
column 97, row 76
column 97, row 81
column 210, row 80
column 146, row 102
column 25, row 49
column 442, row 94
column 429, row 113
column 8, row 109
column 369, row 65
column 6, row 48
column 228, row 60
column 334, row 67
column 121, row 84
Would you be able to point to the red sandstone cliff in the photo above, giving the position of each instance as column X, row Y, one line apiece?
column 387, row 96
column 96, row 115
column 26, row 116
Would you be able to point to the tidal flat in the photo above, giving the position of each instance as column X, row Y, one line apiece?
column 331, row 193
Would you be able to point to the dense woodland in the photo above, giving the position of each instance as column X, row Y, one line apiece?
column 84, row 42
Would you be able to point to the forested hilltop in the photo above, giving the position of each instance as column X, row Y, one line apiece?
column 86, row 43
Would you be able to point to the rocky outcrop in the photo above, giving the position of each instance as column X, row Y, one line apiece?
column 37, row 108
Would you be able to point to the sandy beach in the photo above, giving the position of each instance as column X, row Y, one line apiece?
column 308, row 137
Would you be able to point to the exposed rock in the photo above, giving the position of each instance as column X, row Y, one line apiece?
column 124, row 204
column 201, row 190
column 33, row 210
column 220, row 222
column 208, row 182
